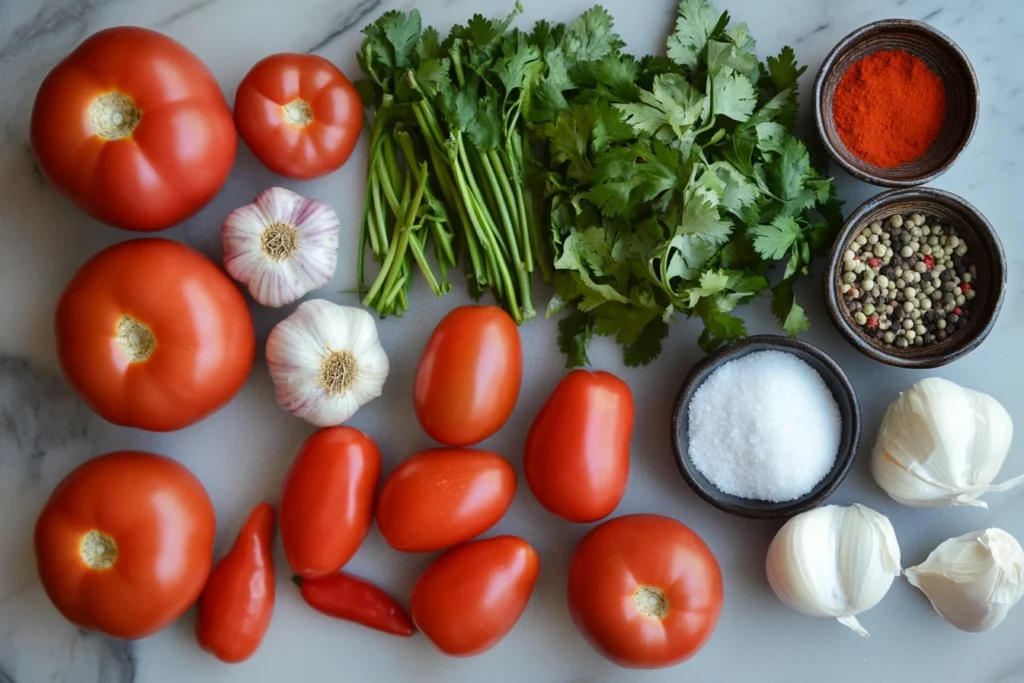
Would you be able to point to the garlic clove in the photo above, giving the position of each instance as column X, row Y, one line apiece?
column 282, row 246
column 941, row 444
column 834, row 561
column 326, row 362
column 973, row 580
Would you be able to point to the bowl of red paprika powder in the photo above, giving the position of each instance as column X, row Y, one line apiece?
column 896, row 103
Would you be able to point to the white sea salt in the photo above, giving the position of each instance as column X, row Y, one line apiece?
column 764, row 427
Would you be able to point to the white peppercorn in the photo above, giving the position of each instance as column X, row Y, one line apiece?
column 896, row 221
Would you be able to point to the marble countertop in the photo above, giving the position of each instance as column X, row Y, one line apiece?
column 242, row 452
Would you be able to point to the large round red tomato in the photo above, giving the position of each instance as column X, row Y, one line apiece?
column 298, row 114
column 644, row 590
column 442, row 497
column 472, row 596
column 468, row 379
column 125, row 543
column 134, row 129
column 152, row 335
column 327, row 501
column 577, row 452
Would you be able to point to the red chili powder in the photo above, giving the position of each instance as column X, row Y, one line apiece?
column 889, row 108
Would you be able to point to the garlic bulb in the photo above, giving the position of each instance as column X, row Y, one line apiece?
column 326, row 361
column 941, row 444
column 282, row 246
column 973, row 580
column 835, row 562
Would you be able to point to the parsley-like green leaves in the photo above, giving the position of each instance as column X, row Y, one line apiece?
column 673, row 184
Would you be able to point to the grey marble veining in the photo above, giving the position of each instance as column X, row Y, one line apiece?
column 242, row 452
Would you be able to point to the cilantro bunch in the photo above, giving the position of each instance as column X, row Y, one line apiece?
column 671, row 185
column 446, row 161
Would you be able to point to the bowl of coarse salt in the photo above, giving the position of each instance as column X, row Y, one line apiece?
column 766, row 428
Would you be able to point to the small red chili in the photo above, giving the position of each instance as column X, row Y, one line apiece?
column 929, row 261
column 872, row 321
column 965, row 287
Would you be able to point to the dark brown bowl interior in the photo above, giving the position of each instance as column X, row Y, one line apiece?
column 943, row 57
column 985, row 251
column 838, row 384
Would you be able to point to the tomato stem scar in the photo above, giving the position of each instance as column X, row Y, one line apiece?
column 98, row 550
column 651, row 602
column 113, row 116
column 298, row 113
column 135, row 339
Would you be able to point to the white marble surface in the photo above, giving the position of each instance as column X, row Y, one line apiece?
column 242, row 452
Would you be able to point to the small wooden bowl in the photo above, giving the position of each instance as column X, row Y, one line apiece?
column 943, row 57
column 983, row 246
column 837, row 382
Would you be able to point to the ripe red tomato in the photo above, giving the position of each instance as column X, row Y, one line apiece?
column 644, row 590
column 442, row 497
column 125, row 543
column 472, row 596
column 134, row 129
column 233, row 613
column 299, row 115
column 152, row 335
column 468, row 379
column 577, row 452
column 327, row 501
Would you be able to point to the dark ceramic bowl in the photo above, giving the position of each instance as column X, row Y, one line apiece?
column 985, row 251
column 943, row 57
column 838, row 384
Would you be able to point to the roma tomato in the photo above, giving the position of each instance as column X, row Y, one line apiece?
column 472, row 596
column 134, row 129
column 298, row 114
column 577, row 452
column 442, row 497
column 125, row 543
column 327, row 501
column 152, row 335
column 468, row 379
column 234, row 610
column 644, row 590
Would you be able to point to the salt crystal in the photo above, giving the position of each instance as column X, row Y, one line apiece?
column 764, row 427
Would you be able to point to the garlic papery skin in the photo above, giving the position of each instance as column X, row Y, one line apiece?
column 942, row 445
column 326, row 362
column 973, row 580
column 282, row 246
column 834, row 561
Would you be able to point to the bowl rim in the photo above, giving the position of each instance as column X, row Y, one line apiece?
column 765, row 342
column 832, row 299
column 829, row 63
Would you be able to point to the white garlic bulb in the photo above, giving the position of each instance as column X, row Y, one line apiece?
column 326, row 362
column 834, row 561
column 941, row 444
column 282, row 246
column 973, row 580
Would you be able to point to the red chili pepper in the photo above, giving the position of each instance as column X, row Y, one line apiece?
column 348, row 597
column 235, row 607
column 872, row 321
column 874, row 262
column 958, row 311
column 965, row 287
column 929, row 261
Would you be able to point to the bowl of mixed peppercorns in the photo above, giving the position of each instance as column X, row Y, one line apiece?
column 916, row 278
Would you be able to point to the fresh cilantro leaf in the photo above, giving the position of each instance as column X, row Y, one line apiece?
column 590, row 37
column 711, row 282
column 791, row 316
column 647, row 347
column 738, row 192
column 548, row 94
column 696, row 23
column 484, row 130
column 787, row 176
column 670, row 110
column 770, row 137
column 784, row 70
column 733, row 95
column 459, row 107
column 429, row 46
column 774, row 240
column 519, row 67
column 569, row 140
column 574, row 333
column 701, row 218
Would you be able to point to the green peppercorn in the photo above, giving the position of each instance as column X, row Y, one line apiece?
column 869, row 309
column 906, row 252
column 860, row 318
column 917, row 218
column 889, row 337
column 896, row 221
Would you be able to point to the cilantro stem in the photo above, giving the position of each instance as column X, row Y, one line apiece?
column 416, row 247
column 503, row 193
column 407, row 228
